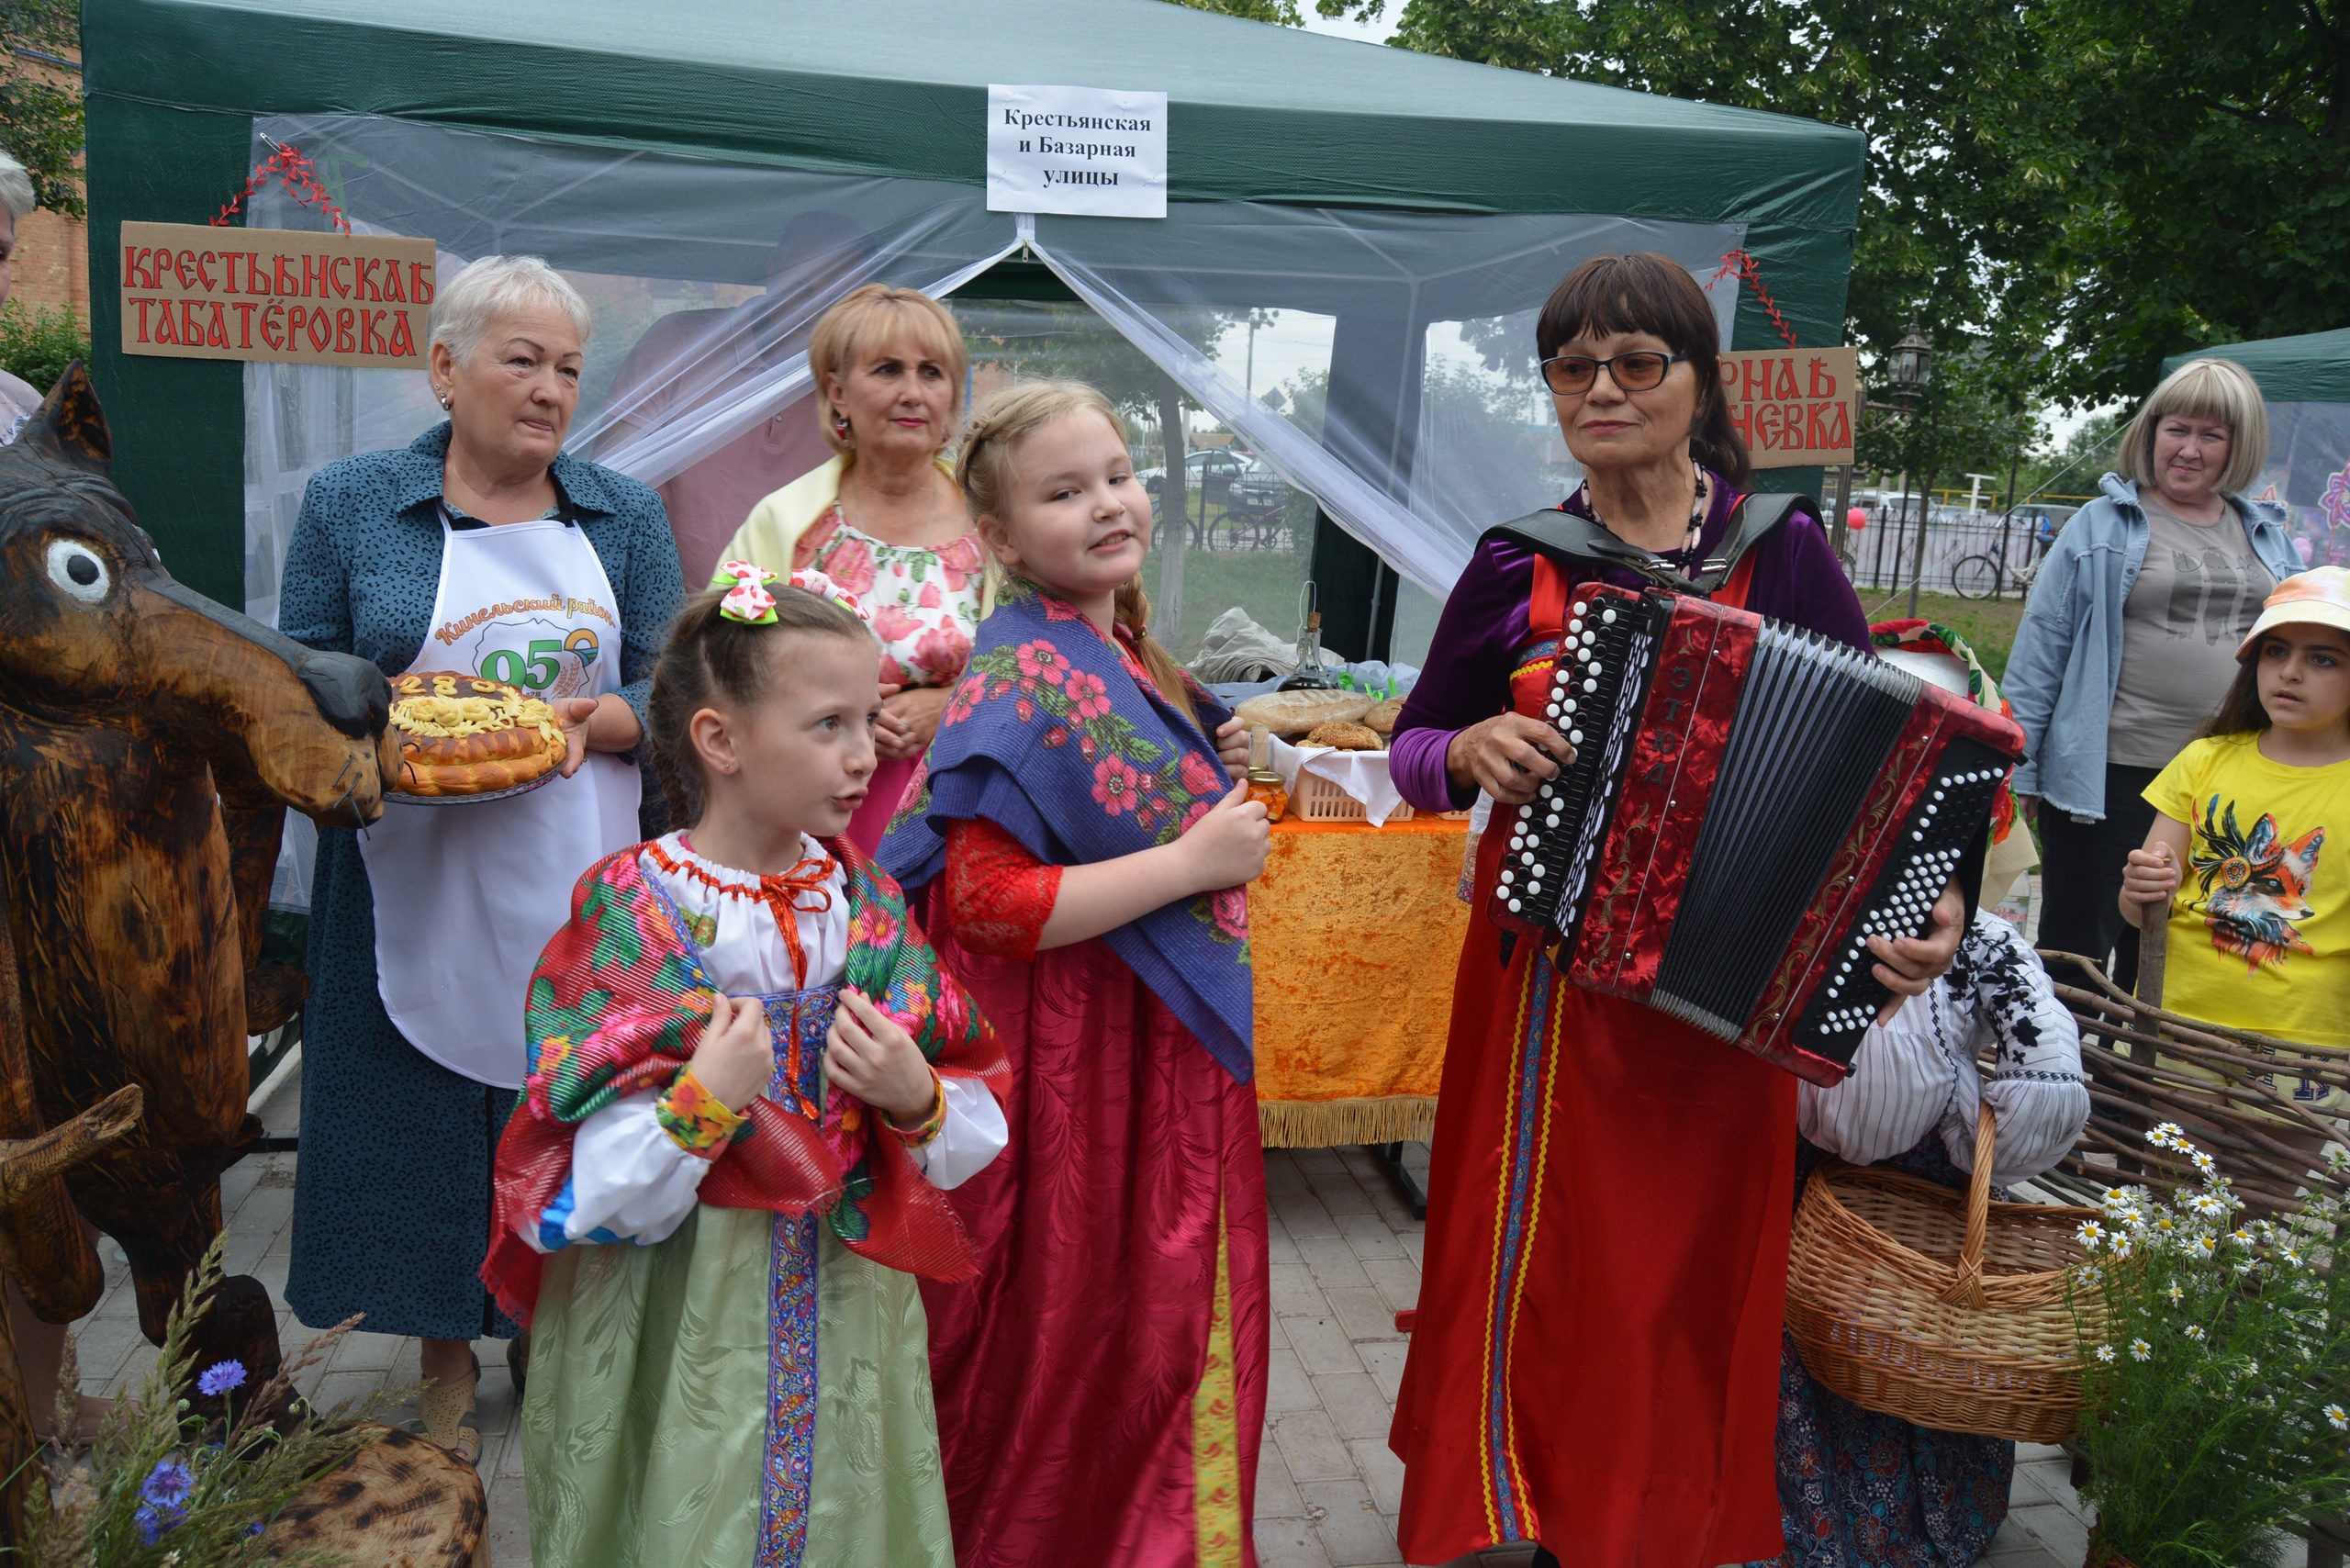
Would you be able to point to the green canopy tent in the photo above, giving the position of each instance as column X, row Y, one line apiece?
column 2306, row 381
column 1409, row 211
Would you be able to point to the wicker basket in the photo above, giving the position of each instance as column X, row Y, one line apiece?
column 1320, row 800
column 1949, row 1313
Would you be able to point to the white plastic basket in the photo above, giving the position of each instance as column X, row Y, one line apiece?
column 1320, row 800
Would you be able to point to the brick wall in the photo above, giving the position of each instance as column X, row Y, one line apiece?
column 53, row 268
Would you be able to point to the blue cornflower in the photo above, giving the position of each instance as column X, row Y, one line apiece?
column 154, row 1520
column 219, row 1378
column 167, row 1485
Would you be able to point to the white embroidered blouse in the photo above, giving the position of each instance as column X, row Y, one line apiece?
column 630, row 1181
column 1919, row 1074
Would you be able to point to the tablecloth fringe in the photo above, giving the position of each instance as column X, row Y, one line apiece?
column 1333, row 1124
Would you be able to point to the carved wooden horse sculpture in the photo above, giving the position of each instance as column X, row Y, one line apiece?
column 150, row 741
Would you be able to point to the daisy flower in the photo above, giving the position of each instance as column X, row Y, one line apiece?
column 2194, row 1331
column 2338, row 1418
column 2091, row 1234
column 2105, row 1352
column 2140, row 1350
column 2175, row 1293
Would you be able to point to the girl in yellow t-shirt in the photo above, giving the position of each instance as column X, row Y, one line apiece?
column 2253, row 828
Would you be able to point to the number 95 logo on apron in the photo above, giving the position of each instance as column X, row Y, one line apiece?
column 548, row 659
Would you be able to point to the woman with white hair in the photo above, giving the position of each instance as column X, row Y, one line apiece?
column 2129, row 641
column 482, row 550
column 20, row 399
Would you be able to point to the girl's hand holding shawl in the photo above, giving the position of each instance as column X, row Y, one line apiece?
column 871, row 1057
column 1226, row 848
column 1232, row 746
column 736, row 1057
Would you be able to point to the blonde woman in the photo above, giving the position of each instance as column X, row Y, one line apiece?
column 883, row 519
column 2129, row 641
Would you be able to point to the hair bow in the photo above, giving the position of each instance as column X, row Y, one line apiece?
column 810, row 581
column 747, row 600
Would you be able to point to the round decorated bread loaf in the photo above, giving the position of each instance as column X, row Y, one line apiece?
column 465, row 735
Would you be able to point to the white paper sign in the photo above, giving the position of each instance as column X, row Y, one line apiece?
column 1083, row 151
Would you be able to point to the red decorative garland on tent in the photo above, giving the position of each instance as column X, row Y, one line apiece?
column 288, row 164
column 1743, row 265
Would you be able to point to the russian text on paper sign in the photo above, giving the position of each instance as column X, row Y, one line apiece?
column 1076, row 152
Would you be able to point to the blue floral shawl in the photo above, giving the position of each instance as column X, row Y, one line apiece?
column 1057, row 735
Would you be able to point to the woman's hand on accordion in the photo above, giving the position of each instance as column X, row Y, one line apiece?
column 1508, row 756
column 1909, row 965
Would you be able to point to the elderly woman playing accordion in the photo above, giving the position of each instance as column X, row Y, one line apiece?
column 1596, row 1363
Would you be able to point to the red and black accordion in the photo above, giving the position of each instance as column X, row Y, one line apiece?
column 1748, row 804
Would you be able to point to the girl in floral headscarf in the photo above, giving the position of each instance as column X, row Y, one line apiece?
column 749, row 1081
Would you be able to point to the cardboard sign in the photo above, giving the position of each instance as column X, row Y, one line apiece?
column 1085, row 151
column 194, row 292
column 1794, row 405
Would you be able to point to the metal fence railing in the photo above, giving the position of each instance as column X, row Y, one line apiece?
column 1977, row 555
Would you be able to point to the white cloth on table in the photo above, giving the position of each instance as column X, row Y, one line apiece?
column 1919, row 1074
column 1361, row 774
column 630, row 1181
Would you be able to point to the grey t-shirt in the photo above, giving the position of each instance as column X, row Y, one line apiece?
column 2198, row 593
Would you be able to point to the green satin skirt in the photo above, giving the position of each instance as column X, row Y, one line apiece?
column 646, row 1436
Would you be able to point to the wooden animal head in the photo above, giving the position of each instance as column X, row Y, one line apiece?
column 94, row 631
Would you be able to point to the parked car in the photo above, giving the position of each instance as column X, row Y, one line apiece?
column 1240, row 483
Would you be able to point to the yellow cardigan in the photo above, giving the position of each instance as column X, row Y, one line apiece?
column 770, row 534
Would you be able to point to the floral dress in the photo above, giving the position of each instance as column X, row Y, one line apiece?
column 925, row 602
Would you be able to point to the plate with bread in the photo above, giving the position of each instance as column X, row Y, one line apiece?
column 466, row 738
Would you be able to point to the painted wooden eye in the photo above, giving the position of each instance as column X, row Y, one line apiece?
column 79, row 570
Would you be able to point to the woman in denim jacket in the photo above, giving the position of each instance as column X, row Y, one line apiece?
column 2128, row 639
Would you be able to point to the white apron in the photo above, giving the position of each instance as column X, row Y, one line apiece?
column 467, row 895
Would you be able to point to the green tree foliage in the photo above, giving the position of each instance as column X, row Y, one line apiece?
column 2203, row 157
column 1933, row 85
column 1281, row 13
column 38, row 345
column 41, row 120
column 2120, row 179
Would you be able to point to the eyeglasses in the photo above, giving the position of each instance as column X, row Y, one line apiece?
column 1636, row 372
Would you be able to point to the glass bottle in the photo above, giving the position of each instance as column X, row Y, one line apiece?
column 1264, row 784
column 1310, row 674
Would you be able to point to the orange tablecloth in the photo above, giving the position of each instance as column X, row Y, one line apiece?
column 1354, row 933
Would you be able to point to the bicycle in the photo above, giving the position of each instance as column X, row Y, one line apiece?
column 1984, row 575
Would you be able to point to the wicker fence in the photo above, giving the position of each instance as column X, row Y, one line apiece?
column 2231, row 1090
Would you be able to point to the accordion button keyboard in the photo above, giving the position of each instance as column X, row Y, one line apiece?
column 1925, row 859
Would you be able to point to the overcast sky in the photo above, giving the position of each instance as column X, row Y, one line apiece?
column 1379, row 31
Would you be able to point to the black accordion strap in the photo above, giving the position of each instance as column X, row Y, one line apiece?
column 1557, row 532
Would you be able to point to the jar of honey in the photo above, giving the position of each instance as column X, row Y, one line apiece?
column 1264, row 784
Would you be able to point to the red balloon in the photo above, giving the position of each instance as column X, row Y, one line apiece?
column 1856, row 520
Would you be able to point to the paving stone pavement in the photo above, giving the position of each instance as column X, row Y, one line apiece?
column 1346, row 1258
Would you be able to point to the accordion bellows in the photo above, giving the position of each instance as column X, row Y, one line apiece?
column 1748, row 804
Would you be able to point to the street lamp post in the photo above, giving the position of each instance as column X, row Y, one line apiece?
column 1912, row 368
